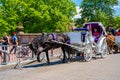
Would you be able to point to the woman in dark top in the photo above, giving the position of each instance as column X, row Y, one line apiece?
column 5, row 42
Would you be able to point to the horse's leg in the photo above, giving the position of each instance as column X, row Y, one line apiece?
column 64, row 55
column 112, row 47
column 52, row 52
column 109, row 45
column 38, row 56
column 68, row 53
column 39, row 52
column 47, row 56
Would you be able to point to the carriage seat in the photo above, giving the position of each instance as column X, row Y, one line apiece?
column 83, row 36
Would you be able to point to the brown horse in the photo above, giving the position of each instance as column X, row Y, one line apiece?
column 45, row 41
column 110, row 42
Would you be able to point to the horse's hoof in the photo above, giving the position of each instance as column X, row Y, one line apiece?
column 64, row 61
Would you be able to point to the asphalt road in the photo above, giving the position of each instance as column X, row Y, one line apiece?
column 98, row 69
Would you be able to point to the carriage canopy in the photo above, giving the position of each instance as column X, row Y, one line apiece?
column 97, row 25
column 80, row 29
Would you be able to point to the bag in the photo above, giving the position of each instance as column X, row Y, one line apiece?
column 13, row 40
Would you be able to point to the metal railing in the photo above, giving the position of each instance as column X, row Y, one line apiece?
column 21, row 50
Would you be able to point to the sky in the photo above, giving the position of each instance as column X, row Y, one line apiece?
column 116, row 8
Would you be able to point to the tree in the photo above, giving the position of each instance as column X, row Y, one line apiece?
column 116, row 22
column 9, row 16
column 98, row 10
column 37, row 15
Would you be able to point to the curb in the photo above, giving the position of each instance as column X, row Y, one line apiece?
column 13, row 65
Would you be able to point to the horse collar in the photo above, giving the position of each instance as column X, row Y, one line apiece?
column 54, row 36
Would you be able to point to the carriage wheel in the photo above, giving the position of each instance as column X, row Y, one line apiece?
column 104, row 49
column 88, row 53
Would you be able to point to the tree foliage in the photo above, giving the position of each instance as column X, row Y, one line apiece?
column 116, row 22
column 98, row 10
column 36, row 15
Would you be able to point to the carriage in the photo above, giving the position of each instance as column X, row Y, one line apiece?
column 117, row 44
column 86, row 43
column 82, row 42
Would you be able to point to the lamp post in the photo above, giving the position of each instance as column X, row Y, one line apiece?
column 20, row 28
column 19, row 31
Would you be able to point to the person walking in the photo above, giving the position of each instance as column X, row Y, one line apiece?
column 14, row 42
column 113, row 31
column 5, row 43
column 118, row 33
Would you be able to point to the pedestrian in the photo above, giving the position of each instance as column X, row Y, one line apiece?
column 118, row 33
column 5, row 43
column 96, row 35
column 113, row 31
column 14, row 42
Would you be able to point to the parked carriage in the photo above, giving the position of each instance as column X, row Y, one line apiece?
column 86, row 43
column 82, row 42
column 117, row 41
column 117, row 44
column 99, row 42
column 113, row 40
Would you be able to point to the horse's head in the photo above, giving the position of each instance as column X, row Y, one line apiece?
column 43, row 39
column 35, row 44
column 33, row 47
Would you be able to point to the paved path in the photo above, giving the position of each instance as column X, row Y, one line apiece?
column 27, row 60
column 99, row 69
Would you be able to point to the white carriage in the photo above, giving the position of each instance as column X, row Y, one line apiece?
column 86, row 43
column 117, row 43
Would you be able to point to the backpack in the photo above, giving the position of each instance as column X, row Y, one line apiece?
column 13, row 39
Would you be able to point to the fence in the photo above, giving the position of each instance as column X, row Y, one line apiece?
column 24, row 39
column 6, row 57
column 27, row 37
column 14, row 57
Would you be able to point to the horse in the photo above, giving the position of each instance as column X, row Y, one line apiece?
column 110, row 38
column 110, row 42
column 45, row 41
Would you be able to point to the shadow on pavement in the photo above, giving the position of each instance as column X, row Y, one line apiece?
column 43, row 64
column 52, row 63
column 116, row 52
